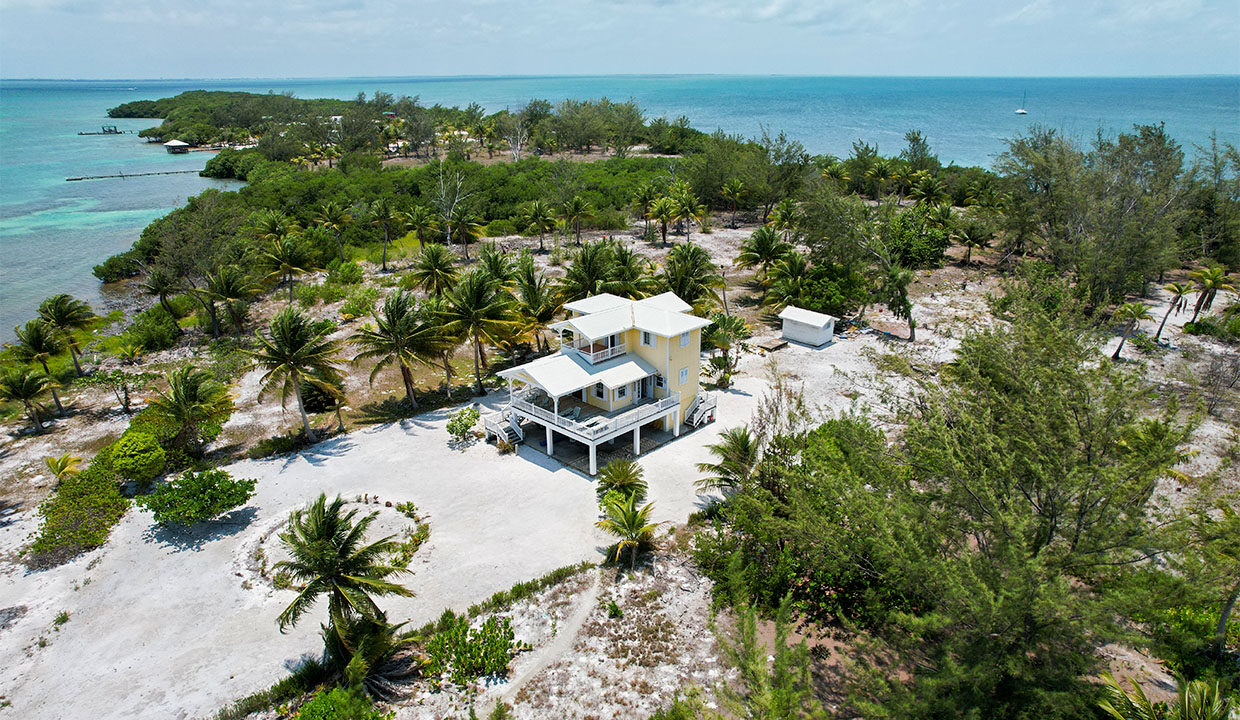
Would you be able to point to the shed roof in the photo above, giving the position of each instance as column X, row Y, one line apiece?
column 176, row 143
column 564, row 373
column 809, row 317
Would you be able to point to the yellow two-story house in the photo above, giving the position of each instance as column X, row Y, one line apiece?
column 622, row 365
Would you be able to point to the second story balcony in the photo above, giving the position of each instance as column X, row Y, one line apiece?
column 600, row 351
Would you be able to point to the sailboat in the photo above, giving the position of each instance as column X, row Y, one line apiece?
column 1021, row 110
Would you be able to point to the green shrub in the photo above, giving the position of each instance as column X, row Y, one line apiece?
column 500, row 228
column 307, row 295
column 347, row 273
column 183, row 305
column 340, row 704
column 318, row 401
column 146, row 421
column 464, row 654
column 77, row 517
column 1183, row 637
column 119, row 267
column 1201, row 327
column 359, row 303
column 461, row 426
column 197, row 496
column 307, row 675
column 331, row 292
column 153, row 329
column 137, row 456
column 609, row 220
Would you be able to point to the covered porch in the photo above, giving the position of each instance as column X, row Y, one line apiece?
column 570, row 399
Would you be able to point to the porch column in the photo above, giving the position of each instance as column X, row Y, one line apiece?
column 593, row 459
column 550, row 440
column 676, row 419
column 637, row 441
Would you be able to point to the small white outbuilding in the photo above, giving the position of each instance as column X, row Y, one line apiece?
column 807, row 327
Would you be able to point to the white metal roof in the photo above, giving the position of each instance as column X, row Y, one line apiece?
column 567, row 372
column 809, row 317
column 176, row 143
column 663, row 315
column 596, row 303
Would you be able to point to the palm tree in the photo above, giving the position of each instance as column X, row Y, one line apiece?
column 589, row 271
column 723, row 334
column 537, row 300
column 66, row 314
column 763, row 249
column 930, row 190
column 880, row 172
column 790, row 275
column 1209, row 282
column 690, row 210
column 691, row 274
column 837, row 173
column 330, row 557
column 385, row 215
column 466, row 226
column 293, row 354
column 574, row 211
column 631, row 273
column 643, row 198
column 895, row 289
column 733, row 191
column 539, row 217
column 194, row 404
column 1179, row 301
column 421, row 221
column 630, row 524
column 663, row 211
column 737, row 453
column 478, row 309
column 271, row 225
column 1130, row 316
column 334, row 217
column 973, row 234
column 161, row 284
column 784, row 217
column 623, row 477
column 65, row 466
column 434, row 311
column 399, row 337
column 434, row 270
column 497, row 264
column 287, row 258
column 37, row 342
column 1196, row 700
column 25, row 386
column 231, row 286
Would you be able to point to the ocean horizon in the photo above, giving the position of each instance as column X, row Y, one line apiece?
column 53, row 232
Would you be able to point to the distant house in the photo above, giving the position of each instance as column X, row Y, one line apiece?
column 806, row 326
column 623, row 365
column 176, row 147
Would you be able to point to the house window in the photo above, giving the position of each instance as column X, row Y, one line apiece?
column 684, row 339
column 622, row 391
column 599, row 391
column 660, row 381
column 648, row 339
column 684, row 375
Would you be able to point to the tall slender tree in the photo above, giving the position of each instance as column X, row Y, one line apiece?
column 575, row 210
column 1129, row 316
column 478, row 309
column 23, row 385
column 383, row 214
column 1209, row 282
column 401, row 337
column 194, row 404
column 294, row 353
column 334, row 217
column 434, row 269
column 733, row 191
column 1179, row 301
column 38, row 342
column 539, row 217
column 66, row 314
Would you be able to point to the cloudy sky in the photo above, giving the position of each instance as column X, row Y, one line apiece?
column 314, row 38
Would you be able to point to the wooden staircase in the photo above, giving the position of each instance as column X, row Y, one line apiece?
column 702, row 409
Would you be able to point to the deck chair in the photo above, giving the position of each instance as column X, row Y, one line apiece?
column 571, row 414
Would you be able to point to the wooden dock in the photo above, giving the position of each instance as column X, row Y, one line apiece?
column 129, row 175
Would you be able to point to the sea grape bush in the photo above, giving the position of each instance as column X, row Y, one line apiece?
column 463, row 422
column 197, row 496
column 463, row 654
column 79, row 516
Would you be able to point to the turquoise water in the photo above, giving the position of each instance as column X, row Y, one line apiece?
column 52, row 232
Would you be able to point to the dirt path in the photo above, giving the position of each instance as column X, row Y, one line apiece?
column 563, row 642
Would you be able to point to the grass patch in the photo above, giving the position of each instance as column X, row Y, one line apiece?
column 304, row 679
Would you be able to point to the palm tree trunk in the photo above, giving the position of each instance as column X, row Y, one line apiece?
column 33, row 411
column 305, row 419
column 60, row 409
column 73, row 355
column 385, row 245
column 577, row 231
column 1164, row 320
column 1122, row 338
column 912, row 327
column 167, row 306
column 290, row 289
column 733, row 223
column 1201, row 298
column 541, row 249
column 447, row 375
column 477, row 364
column 407, row 377
column 1220, row 633
column 339, row 244
column 633, row 558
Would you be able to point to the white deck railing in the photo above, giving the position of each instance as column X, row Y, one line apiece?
column 598, row 356
column 599, row 425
